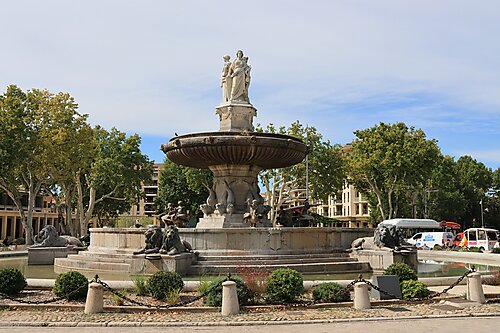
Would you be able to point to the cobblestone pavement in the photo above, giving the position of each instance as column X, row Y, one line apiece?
column 49, row 317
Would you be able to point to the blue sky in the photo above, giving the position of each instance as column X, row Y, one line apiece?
column 152, row 67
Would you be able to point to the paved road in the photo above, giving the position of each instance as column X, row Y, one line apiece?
column 436, row 325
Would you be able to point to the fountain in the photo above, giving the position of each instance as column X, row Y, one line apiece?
column 235, row 154
column 234, row 230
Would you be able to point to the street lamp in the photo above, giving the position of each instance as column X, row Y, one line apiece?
column 482, row 213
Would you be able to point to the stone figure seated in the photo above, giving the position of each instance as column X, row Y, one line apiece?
column 49, row 237
column 172, row 242
column 154, row 241
column 387, row 238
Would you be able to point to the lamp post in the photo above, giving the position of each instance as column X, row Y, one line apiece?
column 482, row 213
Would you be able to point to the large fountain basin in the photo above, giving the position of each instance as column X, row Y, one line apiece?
column 265, row 150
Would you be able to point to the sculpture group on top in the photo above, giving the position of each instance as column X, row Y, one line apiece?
column 235, row 78
column 178, row 216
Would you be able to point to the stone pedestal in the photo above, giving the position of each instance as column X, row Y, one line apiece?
column 46, row 255
column 381, row 259
column 236, row 116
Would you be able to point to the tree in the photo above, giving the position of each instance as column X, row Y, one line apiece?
column 388, row 161
column 326, row 168
column 492, row 207
column 28, row 122
column 111, row 180
column 475, row 179
column 179, row 183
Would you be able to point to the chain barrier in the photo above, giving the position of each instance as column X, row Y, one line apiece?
column 46, row 301
column 347, row 288
column 179, row 304
column 426, row 298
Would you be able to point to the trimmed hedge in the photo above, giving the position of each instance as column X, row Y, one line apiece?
column 330, row 292
column 402, row 270
column 161, row 284
column 214, row 297
column 71, row 285
column 414, row 289
column 285, row 285
column 12, row 281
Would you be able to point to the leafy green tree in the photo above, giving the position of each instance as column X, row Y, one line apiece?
column 388, row 161
column 441, row 198
column 179, row 183
column 475, row 180
column 492, row 207
column 111, row 180
column 28, row 121
column 326, row 168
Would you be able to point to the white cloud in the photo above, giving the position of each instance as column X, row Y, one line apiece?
column 153, row 66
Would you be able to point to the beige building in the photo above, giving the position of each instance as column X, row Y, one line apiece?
column 146, row 206
column 348, row 205
column 10, row 220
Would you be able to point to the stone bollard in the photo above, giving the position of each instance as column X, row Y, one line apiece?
column 94, row 302
column 475, row 288
column 361, row 297
column 230, row 305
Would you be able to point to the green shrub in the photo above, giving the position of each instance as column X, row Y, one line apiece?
column 330, row 292
column 402, row 270
column 12, row 281
column 285, row 284
column 474, row 249
column 161, row 284
column 19, row 241
column 413, row 289
column 71, row 285
column 496, row 250
column 214, row 297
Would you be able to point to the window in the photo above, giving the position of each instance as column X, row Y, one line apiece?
column 471, row 235
column 492, row 236
column 481, row 235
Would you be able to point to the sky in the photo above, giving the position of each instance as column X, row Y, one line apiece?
column 153, row 67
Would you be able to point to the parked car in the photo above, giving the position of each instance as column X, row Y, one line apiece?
column 431, row 239
column 483, row 238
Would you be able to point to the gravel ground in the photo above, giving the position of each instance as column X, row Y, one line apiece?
column 72, row 312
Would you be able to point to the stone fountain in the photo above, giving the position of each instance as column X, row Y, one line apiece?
column 235, row 154
column 223, row 240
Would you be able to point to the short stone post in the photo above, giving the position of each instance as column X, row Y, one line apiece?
column 475, row 288
column 94, row 302
column 361, row 297
column 230, row 305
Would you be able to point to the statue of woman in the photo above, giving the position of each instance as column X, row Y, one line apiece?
column 238, row 75
column 226, row 79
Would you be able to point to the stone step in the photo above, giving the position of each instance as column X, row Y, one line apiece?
column 90, row 254
column 261, row 257
column 101, row 258
column 72, row 264
column 310, row 268
column 256, row 261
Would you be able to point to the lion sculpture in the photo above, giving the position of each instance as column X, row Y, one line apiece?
column 154, row 241
column 49, row 237
column 385, row 237
column 172, row 242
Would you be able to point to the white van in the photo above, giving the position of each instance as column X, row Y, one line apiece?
column 483, row 238
column 431, row 239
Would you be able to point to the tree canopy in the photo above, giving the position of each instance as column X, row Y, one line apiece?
column 389, row 161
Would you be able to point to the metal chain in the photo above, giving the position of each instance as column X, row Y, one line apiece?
column 46, row 301
column 179, row 304
column 453, row 285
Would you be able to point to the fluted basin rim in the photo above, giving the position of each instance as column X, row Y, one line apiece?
column 266, row 150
